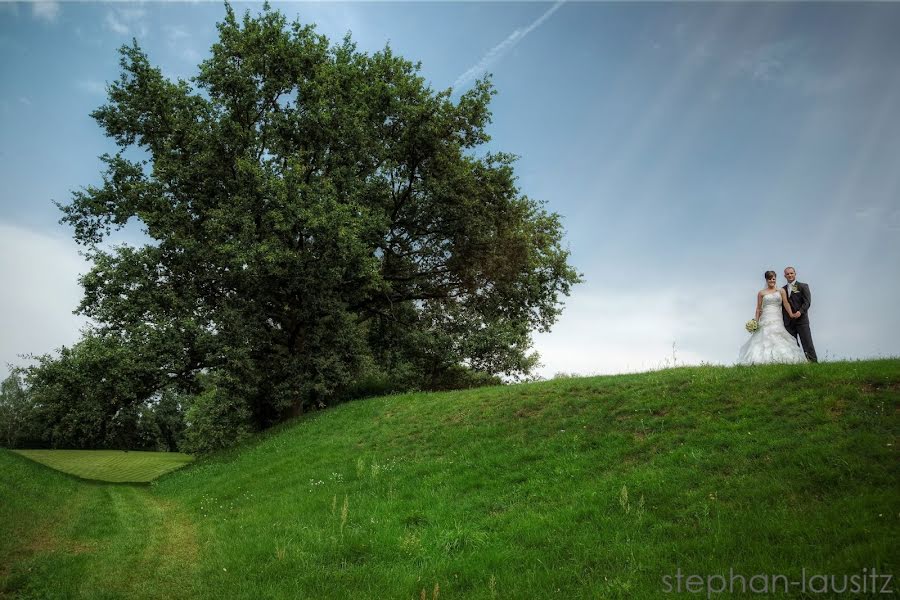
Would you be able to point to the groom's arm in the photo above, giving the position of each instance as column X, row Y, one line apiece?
column 807, row 300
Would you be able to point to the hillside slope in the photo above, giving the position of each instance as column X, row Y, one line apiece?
column 594, row 487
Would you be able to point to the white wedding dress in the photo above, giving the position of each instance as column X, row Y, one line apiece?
column 771, row 343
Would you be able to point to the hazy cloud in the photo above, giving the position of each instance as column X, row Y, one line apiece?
column 787, row 63
column 768, row 62
column 115, row 25
column 607, row 331
column 174, row 33
column 126, row 20
column 90, row 86
column 46, row 10
column 177, row 40
column 40, row 281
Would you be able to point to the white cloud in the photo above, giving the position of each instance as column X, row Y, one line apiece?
column 498, row 51
column 40, row 280
column 333, row 19
column 787, row 63
column 615, row 331
column 177, row 39
column 176, row 32
column 126, row 21
column 91, row 86
column 46, row 10
column 114, row 24
column 769, row 61
column 25, row 100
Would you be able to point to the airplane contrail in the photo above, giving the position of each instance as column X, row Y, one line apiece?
column 502, row 48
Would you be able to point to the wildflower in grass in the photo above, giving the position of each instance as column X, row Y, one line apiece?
column 410, row 542
column 623, row 499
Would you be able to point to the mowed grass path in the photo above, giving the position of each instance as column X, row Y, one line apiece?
column 61, row 537
column 110, row 465
column 574, row 488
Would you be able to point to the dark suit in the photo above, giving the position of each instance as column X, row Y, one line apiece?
column 800, row 301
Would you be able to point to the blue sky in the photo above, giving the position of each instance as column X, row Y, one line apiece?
column 688, row 146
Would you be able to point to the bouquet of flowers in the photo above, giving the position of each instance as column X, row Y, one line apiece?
column 752, row 325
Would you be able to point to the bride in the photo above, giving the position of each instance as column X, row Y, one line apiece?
column 771, row 343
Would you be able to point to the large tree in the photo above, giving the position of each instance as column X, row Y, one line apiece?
column 315, row 212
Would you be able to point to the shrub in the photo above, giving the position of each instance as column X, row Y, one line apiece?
column 215, row 420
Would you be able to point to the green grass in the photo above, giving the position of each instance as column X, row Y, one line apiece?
column 61, row 537
column 110, row 465
column 575, row 488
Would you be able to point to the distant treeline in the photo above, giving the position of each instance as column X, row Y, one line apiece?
column 51, row 406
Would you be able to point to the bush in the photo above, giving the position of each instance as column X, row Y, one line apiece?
column 458, row 377
column 371, row 386
column 215, row 420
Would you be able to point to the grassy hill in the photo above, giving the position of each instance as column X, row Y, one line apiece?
column 574, row 488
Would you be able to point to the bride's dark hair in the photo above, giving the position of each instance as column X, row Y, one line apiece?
column 768, row 273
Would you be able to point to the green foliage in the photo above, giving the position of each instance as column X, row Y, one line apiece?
column 454, row 377
column 89, row 395
column 316, row 213
column 101, row 393
column 167, row 417
column 458, row 377
column 17, row 412
column 215, row 420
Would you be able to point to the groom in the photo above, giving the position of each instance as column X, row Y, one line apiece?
column 799, row 299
